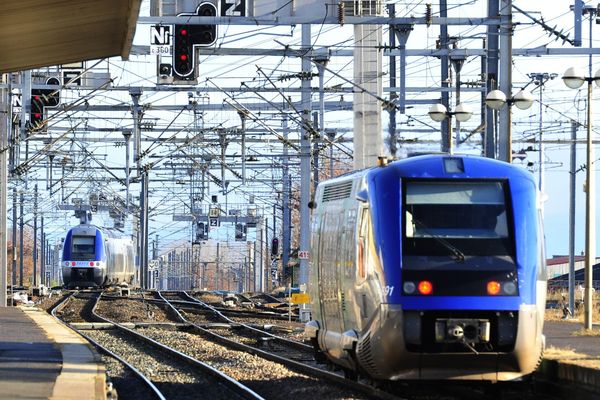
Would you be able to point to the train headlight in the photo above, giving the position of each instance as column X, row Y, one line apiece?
column 509, row 288
column 425, row 287
column 409, row 287
column 493, row 288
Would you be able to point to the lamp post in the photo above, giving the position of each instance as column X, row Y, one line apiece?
column 438, row 113
column 540, row 79
column 496, row 99
column 574, row 78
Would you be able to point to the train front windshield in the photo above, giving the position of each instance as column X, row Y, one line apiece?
column 84, row 248
column 470, row 216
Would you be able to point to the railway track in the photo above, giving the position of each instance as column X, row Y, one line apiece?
column 132, row 383
column 292, row 354
column 233, row 328
column 264, row 320
column 257, row 361
column 169, row 373
column 236, row 327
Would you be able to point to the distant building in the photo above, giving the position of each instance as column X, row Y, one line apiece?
column 558, row 271
column 559, row 265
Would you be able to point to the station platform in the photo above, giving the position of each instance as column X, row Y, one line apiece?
column 572, row 359
column 42, row 359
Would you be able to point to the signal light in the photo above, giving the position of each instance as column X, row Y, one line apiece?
column 274, row 247
column 73, row 263
column 425, row 287
column 493, row 288
column 240, row 231
column 206, row 34
column 201, row 231
column 187, row 37
column 91, row 263
column 183, row 51
column 51, row 96
column 36, row 118
column 40, row 99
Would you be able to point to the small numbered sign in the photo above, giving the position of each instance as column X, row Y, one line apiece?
column 300, row 298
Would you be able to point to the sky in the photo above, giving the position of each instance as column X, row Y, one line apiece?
column 560, row 105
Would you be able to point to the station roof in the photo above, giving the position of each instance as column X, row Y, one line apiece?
column 38, row 33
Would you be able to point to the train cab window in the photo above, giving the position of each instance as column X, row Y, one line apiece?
column 84, row 248
column 473, row 216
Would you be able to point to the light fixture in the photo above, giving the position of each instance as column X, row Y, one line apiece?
column 573, row 77
column 437, row 112
column 496, row 99
column 523, row 99
column 597, row 78
column 463, row 112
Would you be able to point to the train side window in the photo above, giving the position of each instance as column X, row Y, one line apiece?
column 410, row 225
column 362, row 243
column 542, row 270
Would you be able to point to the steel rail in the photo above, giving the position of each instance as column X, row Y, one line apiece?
column 232, row 384
column 158, row 394
column 294, row 365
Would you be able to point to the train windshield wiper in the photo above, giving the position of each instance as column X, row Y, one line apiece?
column 458, row 255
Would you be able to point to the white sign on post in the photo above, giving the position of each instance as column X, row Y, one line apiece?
column 160, row 39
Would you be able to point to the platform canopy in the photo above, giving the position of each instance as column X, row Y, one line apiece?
column 38, row 33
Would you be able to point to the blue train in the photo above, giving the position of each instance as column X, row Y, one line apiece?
column 431, row 267
column 93, row 257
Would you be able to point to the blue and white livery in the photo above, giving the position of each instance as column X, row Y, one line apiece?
column 93, row 257
column 431, row 267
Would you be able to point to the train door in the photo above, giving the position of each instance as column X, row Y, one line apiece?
column 328, row 270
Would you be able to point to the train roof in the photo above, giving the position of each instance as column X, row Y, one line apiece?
column 434, row 165
column 107, row 232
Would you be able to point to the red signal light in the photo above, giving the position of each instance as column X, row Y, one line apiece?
column 73, row 263
column 425, row 287
column 183, row 32
column 183, row 57
column 493, row 288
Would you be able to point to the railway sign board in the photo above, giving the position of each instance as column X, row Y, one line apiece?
column 213, row 221
column 233, row 8
column 72, row 77
column 300, row 298
column 160, row 39
column 304, row 255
